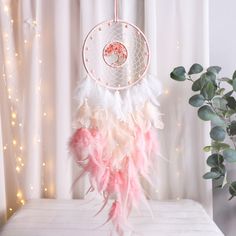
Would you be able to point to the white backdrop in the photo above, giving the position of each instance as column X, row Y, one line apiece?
column 40, row 47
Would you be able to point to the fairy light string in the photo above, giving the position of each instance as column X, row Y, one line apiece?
column 14, row 146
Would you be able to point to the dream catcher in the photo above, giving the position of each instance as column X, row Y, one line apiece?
column 117, row 116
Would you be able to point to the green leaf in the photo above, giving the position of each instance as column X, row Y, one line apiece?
column 195, row 69
column 234, row 75
column 196, row 86
column 212, row 175
column 230, row 113
column 208, row 90
column 231, row 102
column 217, row 121
column 207, row 149
column 229, row 155
column 217, row 146
column 220, row 168
column 218, row 133
column 197, row 100
column 208, row 77
column 214, row 69
column 215, row 160
column 232, row 189
column 225, row 79
column 178, row 73
column 219, row 103
column 228, row 94
column 232, row 128
column 234, row 84
column 205, row 113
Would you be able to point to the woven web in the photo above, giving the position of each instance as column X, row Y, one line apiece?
column 137, row 60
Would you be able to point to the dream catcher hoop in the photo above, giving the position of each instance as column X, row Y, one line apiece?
column 115, row 139
column 119, row 49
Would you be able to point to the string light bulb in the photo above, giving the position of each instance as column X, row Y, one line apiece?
column 6, row 8
column 18, row 169
column 19, row 194
column 13, row 115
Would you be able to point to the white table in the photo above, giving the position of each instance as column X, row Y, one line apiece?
column 75, row 218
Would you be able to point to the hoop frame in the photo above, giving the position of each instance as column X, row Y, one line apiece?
column 145, row 68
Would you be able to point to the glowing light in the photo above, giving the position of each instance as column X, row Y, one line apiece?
column 166, row 92
column 25, row 41
column 16, row 54
column 40, row 61
column 22, row 202
column 10, row 209
column 22, row 164
column 9, row 97
column 45, row 114
column 19, row 194
column 38, row 140
column 19, row 159
column 178, row 198
column 6, row 35
column 12, row 21
column 31, row 187
column 14, row 142
column 39, row 88
column 20, row 124
column 18, row 169
column 45, row 189
column 5, row 148
column 13, row 115
column 6, row 8
column 44, row 164
column 13, row 123
column 38, row 35
column 21, row 148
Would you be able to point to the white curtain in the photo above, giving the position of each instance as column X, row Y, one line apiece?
column 40, row 58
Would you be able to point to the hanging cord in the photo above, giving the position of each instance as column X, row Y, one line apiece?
column 116, row 10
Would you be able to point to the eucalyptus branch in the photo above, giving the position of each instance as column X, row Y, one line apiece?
column 218, row 107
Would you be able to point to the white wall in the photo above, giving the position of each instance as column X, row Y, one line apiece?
column 223, row 53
